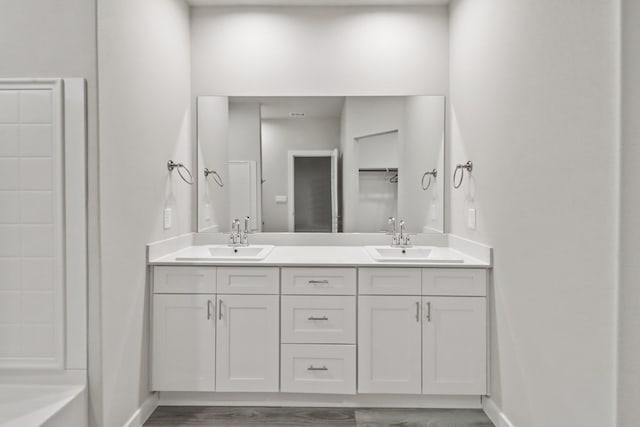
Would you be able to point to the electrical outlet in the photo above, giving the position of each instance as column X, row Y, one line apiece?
column 168, row 218
column 471, row 218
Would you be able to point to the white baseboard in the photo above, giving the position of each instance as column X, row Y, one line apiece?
column 316, row 400
column 144, row 412
column 495, row 414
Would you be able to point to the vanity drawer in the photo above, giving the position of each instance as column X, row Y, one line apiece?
column 184, row 280
column 308, row 368
column 389, row 281
column 319, row 281
column 454, row 281
column 318, row 319
column 248, row 280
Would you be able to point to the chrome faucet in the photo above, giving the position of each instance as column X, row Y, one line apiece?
column 393, row 232
column 400, row 239
column 245, row 235
column 404, row 237
column 237, row 237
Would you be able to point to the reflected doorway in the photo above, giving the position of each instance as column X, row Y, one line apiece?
column 313, row 187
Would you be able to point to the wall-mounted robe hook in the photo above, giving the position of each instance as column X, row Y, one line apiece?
column 216, row 177
column 460, row 167
column 171, row 165
column 433, row 174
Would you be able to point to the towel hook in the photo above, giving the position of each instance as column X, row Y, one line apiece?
column 433, row 174
column 216, row 177
column 171, row 165
column 460, row 167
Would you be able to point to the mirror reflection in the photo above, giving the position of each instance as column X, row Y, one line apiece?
column 321, row 164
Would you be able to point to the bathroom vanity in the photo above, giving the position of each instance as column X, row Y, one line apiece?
column 320, row 320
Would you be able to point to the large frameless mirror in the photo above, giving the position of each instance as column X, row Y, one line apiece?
column 321, row 164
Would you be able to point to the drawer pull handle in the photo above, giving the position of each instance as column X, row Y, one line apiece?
column 318, row 318
column 312, row 368
column 318, row 282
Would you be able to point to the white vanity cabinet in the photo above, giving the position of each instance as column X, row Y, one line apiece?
column 215, row 338
column 431, row 342
column 330, row 330
column 454, row 345
column 318, row 323
column 454, row 331
column 247, row 343
column 183, row 331
column 389, row 359
column 184, row 343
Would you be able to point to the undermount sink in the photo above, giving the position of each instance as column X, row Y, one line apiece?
column 227, row 253
column 410, row 254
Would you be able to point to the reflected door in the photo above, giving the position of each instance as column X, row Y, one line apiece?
column 313, row 188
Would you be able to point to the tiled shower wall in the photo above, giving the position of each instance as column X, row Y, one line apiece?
column 31, row 218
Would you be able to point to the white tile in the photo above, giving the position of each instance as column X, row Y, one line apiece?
column 10, row 241
column 36, row 140
column 36, row 207
column 37, row 240
column 9, row 207
column 35, row 106
column 10, row 307
column 38, row 341
column 9, row 141
column 10, row 340
column 36, row 174
column 37, row 273
column 9, row 111
column 9, row 174
column 10, row 274
column 37, row 307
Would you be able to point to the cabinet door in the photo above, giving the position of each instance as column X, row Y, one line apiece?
column 183, row 357
column 454, row 346
column 248, row 343
column 389, row 344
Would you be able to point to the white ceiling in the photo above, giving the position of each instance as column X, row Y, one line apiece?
column 317, row 2
column 273, row 107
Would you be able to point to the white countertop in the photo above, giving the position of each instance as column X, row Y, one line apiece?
column 325, row 256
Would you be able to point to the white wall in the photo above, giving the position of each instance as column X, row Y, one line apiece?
column 212, row 154
column 244, row 142
column 319, row 51
column 244, row 131
column 423, row 136
column 533, row 105
column 144, row 68
column 279, row 136
column 363, row 116
column 57, row 39
column 629, row 295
